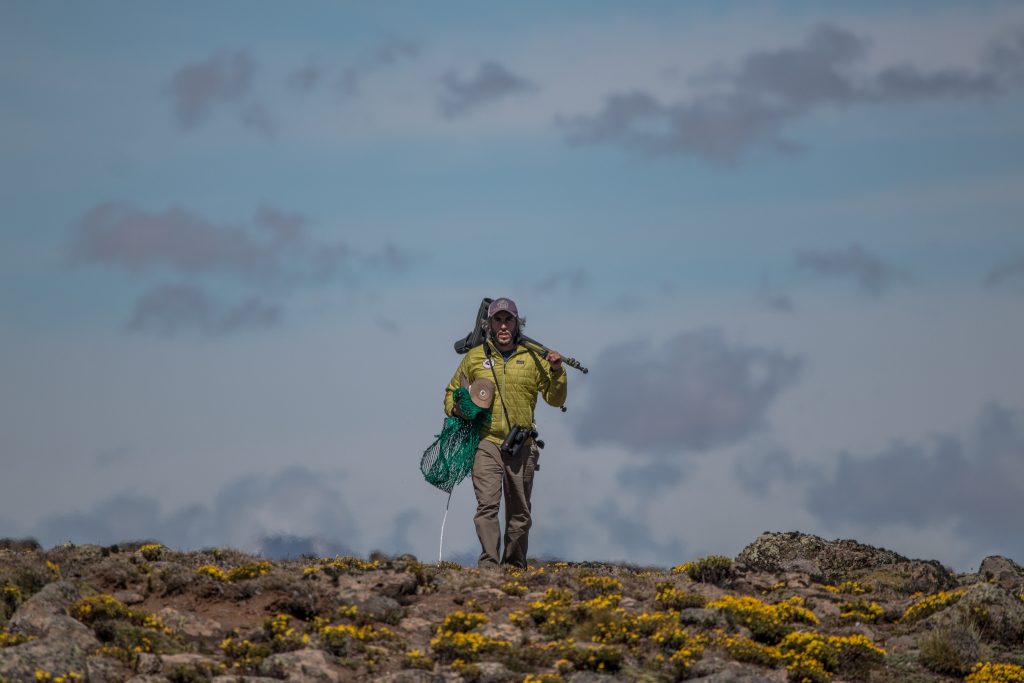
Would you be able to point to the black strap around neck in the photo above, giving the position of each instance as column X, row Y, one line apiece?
column 490, row 359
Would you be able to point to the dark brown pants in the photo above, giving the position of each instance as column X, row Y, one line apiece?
column 492, row 475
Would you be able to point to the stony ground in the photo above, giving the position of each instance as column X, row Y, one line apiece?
column 790, row 607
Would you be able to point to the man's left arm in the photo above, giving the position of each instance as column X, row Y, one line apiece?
column 556, row 386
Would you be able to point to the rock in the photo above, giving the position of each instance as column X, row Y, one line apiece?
column 304, row 666
column 54, row 654
column 104, row 670
column 1002, row 571
column 841, row 560
column 998, row 614
column 44, row 615
column 738, row 673
column 129, row 597
column 381, row 608
column 412, row 676
column 182, row 662
column 703, row 617
column 396, row 584
column 592, row 677
column 191, row 625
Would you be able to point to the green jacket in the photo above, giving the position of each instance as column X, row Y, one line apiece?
column 519, row 380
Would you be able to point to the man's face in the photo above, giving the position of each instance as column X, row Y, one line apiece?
column 503, row 328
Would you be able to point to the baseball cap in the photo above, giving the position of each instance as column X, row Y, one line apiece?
column 502, row 304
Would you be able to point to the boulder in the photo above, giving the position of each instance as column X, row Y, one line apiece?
column 1002, row 571
column 842, row 560
column 45, row 615
column 997, row 613
column 303, row 666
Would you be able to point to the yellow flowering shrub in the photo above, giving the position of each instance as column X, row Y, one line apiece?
column 344, row 639
column 342, row 564
column 749, row 651
column 414, row 659
column 601, row 658
column 684, row 657
column 988, row 672
column 551, row 614
column 152, row 551
column 44, row 676
column 855, row 587
column 812, row 657
column 513, row 588
column 867, row 612
column 711, row 569
column 931, row 604
column 670, row 597
column 463, row 621
column 767, row 623
column 244, row 654
column 451, row 645
column 11, row 639
column 282, row 635
column 249, row 570
column 593, row 586
column 93, row 608
column 543, row 678
column 213, row 572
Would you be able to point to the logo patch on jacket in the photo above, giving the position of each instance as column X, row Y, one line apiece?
column 488, row 363
column 520, row 362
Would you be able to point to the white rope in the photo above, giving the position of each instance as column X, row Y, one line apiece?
column 443, row 520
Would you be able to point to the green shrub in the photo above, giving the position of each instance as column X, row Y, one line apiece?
column 714, row 569
column 951, row 651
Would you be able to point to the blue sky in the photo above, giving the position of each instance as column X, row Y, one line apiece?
column 240, row 239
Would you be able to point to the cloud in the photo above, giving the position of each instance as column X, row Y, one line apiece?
column 696, row 392
column 634, row 537
column 649, row 479
column 492, row 82
column 572, row 281
column 294, row 508
column 197, row 89
column 774, row 298
column 975, row 484
column 737, row 108
column 871, row 275
column 757, row 472
column 1006, row 272
column 396, row 259
column 169, row 309
column 269, row 254
column 117, row 234
column 308, row 77
column 386, row 54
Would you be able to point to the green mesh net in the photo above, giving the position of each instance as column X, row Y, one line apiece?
column 449, row 459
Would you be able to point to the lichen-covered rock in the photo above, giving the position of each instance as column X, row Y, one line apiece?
column 303, row 666
column 44, row 615
column 190, row 625
column 997, row 613
column 19, row 663
column 841, row 560
column 1002, row 571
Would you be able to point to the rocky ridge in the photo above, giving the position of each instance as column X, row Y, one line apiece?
column 790, row 606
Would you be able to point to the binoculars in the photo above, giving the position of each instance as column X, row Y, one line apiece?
column 517, row 436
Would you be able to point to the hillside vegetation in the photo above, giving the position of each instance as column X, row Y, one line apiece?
column 790, row 607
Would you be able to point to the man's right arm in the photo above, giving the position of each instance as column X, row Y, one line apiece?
column 449, row 392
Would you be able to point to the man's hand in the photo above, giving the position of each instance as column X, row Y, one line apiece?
column 555, row 359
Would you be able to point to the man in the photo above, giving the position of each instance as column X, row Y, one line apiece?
column 519, row 375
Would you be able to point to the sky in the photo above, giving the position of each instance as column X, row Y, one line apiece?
column 240, row 239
